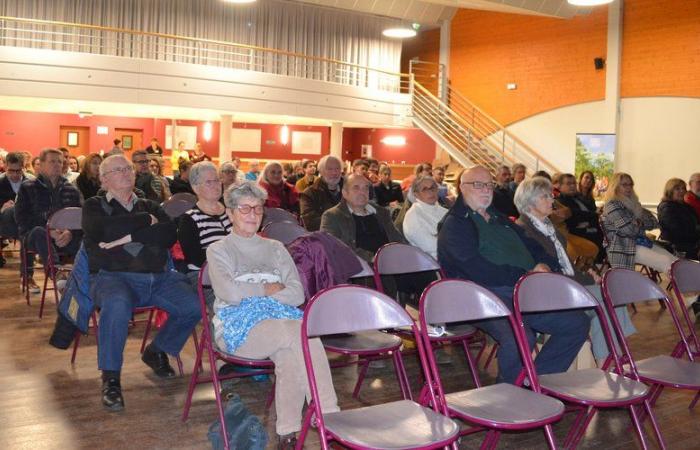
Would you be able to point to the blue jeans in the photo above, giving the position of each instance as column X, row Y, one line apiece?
column 35, row 240
column 118, row 293
column 568, row 331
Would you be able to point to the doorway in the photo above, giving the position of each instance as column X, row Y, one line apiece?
column 75, row 139
column 131, row 138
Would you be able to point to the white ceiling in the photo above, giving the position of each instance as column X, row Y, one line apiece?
column 432, row 12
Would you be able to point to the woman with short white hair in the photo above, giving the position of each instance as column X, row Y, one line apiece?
column 421, row 220
column 280, row 194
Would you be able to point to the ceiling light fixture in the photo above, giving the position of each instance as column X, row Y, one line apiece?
column 589, row 2
column 399, row 32
column 240, row 1
column 394, row 141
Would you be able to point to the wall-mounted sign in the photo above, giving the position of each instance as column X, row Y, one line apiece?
column 101, row 129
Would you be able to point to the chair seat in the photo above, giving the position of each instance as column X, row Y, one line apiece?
column 670, row 371
column 398, row 425
column 594, row 386
column 504, row 405
column 239, row 360
column 455, row 332
column 373, row 341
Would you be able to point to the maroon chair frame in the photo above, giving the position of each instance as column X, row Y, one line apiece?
column 590, row 389
column 206, row 344
column 493, row 408
column 685, row 279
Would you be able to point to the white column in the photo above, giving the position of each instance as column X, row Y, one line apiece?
column 337, row 140
column 612, row 72
column 225, row 123
column 445, row 56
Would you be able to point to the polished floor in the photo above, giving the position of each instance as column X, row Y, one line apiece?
column 47, row 403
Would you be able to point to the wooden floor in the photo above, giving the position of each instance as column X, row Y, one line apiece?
column 46, row 403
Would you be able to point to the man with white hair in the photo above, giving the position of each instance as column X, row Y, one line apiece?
column 692, row 197
column 127, row 240
column 477, row 243
column 323, row 194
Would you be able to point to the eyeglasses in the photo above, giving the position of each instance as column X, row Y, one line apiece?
column 212, row 183
column 432, row 188
column 122, row 170
column 14, row 171
column 140, row 161
column 246, row 209
column 229, row 171
column 480, row 185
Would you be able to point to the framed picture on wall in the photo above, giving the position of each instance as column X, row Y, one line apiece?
column 72, row 139
column 127, row 142
column 306, row 142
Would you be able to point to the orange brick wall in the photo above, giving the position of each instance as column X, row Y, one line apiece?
column 425, row 46
column 661, row 48
column 551, row 60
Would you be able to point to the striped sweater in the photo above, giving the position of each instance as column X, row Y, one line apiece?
column 197, row 230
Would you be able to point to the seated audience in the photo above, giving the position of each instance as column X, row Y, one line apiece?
column 154, row 148
column 425, row 169
column 586, row 183
column 625, row 221
column 74, row 164
column 503, row 194
column 155, row 165
column 324, row 194
column 67, row 172
column 534, row 201
column 116, row 149
column 151, row 185
column 388, row 193
column 421, row 221
column 181, row 183
column 679, row 225
column 280, row 194
column 10, row 182
column 692, row 197
column 127, row 240
column 477, row 243
column 309, row 177
column 362, row 226
column 253, row 171
column 583, row 221
column 88, row 182
column 207, row 221
column 446, row 192
column 37, row 199
column 289, row 173
column 198, row 154
column 246, row 271
column 518, row 174
column 36, row 162
column 373, row 171
column 230, row 175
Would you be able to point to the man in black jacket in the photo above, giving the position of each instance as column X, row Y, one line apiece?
column 145, row 180
column 181, row 183
column 584, row 221
column 37, row 199
column 127, row 240
column 323, row 194
column 10, row 182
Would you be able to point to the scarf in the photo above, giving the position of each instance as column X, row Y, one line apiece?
column 546, row 228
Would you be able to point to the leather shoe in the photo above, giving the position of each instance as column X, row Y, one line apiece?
column 158, row 361
column 112, row 394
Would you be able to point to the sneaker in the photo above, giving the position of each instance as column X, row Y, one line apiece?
column 112, row 394
column 33, row 287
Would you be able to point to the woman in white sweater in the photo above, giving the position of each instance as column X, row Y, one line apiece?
column 420, row 223
column 257, row 290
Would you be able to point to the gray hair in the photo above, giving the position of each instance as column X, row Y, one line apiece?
column 420, row 179
column 263, row 173
column 198, row 170
column 109, row 159
column 250, row 189
column 517, row 166
column 529, row 191
column 323, row 161
column 226, row 165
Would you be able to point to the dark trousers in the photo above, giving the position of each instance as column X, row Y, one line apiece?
column 8, row 226
column 35, row 241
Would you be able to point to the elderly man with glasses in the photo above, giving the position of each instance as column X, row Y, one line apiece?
column 477, row 243
column 127, row 240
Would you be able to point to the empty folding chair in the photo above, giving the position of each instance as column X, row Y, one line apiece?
column 590, row 389
column 207, row 345
column 685, row 280
column 401, row 259
column 278, row 215
column 499, row 407
column 185, row 197
column 402, row 424
column 621, row 287
column 285, row 232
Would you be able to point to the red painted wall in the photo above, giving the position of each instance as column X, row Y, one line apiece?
column 419, row 147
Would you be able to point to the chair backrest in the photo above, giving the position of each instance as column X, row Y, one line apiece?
column 546, row 291
column 348, row 309
column 624, row 286
column 70, row 218
column 285, row 232
column 278, row 215
column 185, row 197
column 452, row 300
column 174, row 208
column 366, row 271
column 396, row 258
column 685, row 276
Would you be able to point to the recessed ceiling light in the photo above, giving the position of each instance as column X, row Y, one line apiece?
column 399, row 32
column 239, row 1
column 589, row 2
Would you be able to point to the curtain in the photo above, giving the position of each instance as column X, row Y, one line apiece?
column 283, row 25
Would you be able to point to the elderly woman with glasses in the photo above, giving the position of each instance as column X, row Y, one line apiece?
column 229, row 175
column 421, row 220
column 534, row 201
column 257, row 290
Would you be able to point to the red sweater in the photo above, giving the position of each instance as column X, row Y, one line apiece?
column 281, row 196
column 694, row 201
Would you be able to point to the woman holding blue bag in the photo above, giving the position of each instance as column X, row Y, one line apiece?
column 257, row 291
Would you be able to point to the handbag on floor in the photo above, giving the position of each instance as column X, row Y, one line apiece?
column 245, row 431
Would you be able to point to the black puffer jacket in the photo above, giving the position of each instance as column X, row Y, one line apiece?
column 678, row 225
column 37, row 200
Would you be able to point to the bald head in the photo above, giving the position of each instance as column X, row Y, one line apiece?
column 476, row 185
column 694, row 183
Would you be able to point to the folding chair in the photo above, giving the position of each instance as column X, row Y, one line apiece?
column 685, row 280
column 590, row 389
column 399, row 259
column 64, row 219
column 207, row 344
column 278, row 215
column 621, row 287
column 285, row 232
column 402, row 424
column 175, row 207
column 185, row 197
column 499, row 407
column 24, row 272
